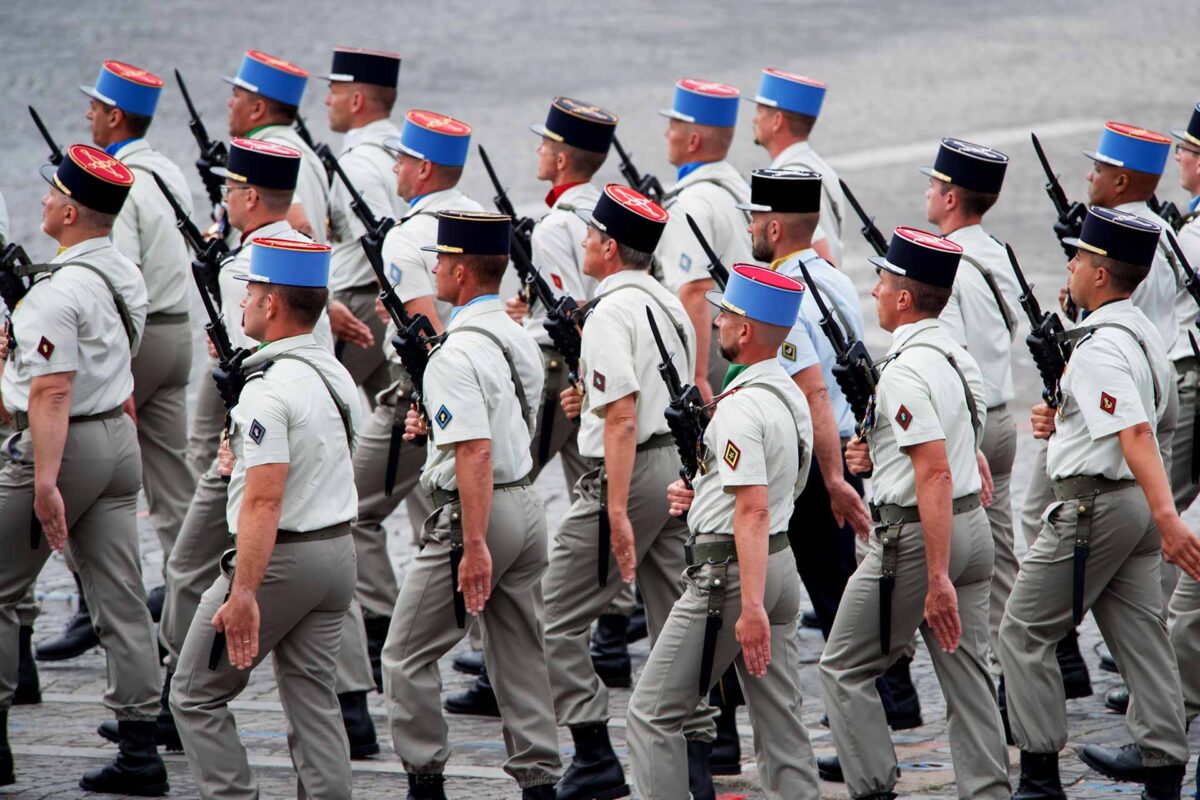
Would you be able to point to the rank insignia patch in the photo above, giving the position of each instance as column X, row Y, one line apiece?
column 45, row 348
column 1108, row 403
column 443, row 417
column 903, row 418
column 558, row 284
column 598, row 380
column 789, row 351
column 257, row 432
column 732, row 454
column 685, row 262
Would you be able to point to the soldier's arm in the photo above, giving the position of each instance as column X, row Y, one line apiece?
column 935, row 494
column 1179, row 544
column 620, row 450
column 751, row 528
column 49, row 415
column 473, row 471
column 691, row 295
column 425, row 305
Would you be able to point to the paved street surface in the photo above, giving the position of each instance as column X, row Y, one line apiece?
column 901, row 75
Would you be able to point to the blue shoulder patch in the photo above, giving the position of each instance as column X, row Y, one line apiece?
column 443, row 417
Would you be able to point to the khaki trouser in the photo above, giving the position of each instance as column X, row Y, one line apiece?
column 424, row 629
column 368, row 366
column 160, row 380
column 1187, row 383
column 1000, row 449
column 1121, row 589
column 667, row 695
column 1183, row 626
column 574, row 598
column 99, row 481
column 852, row 662
column 302, row 603
column 208, row 420
column 564, row 433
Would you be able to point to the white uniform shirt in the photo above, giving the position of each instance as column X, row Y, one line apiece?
column 972, row 317
column 558, row 253
column 287, row 417
column 1156, row 295
column 807, row 344
column 753, row 441
column 1108, row 387
column 312, row 185
column 369, row 167
column 1185, row 307
column 801, row 156
column 145, row 231
column 469, row 394
column 919, row 399
column 233, row 290
column 710, row 193
column 619, row 356
column 409, row 268
column 68, row 322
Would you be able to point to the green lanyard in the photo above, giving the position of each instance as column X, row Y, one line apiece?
column 732, row 373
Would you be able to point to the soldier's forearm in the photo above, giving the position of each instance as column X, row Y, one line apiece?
column 691, row 295
column 473, row 470
column 49, row 418
column 258, row 524
column 935, row 499
column 751, row 529
column 827, row 443
column 620, row 451
column 1141, row 453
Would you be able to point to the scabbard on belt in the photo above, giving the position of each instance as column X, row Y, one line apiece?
column 228, row 565
column 393, row 456
column 554, row 366
column 604, row 529
column 1083, row 491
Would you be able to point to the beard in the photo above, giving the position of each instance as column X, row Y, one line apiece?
column 760, row 249
column 730, row 353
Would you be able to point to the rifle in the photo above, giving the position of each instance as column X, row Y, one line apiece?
column 716, row 270
column 1169, row 212
column 646, row 184
column 1070, row 215
column 15, row 270
column 1191, row 281
column 56, row 153
column 206, row 267
column 320, row 148
column 869, row 230
column 212, row 154
column 855, row 372
column 522, row 226
column 562, row 314
column 1046, row 341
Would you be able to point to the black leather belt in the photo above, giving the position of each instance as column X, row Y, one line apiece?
column 165, row 318
column 21, row 418
column 1083, row 491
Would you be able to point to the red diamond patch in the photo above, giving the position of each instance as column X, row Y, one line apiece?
column 558, row 283
column 598, row 380
column 903, row 418
column 45, row 348
column 1108, row 403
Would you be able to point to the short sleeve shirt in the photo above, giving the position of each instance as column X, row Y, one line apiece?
column 312, row 185
column 710, row 194
column 558, row 253
column 1156, row 295
column 801, row 156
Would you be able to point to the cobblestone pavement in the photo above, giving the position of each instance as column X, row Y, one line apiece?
column 901, row 76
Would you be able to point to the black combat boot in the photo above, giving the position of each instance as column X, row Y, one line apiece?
column 1119, row 764
column 829, row 768
column 610, row 651
column 427, row 786
column 77, row 637
column 1107, row 662
column 543, row 791
column 810, row 620
column 6, row 759
column 595, row 773
column 1117, row 700
column 377, row 631
column 479, row 700
column 154, row 602
column 137, row 769
column 637, row 620
column 1002, row 700
column 904, row 712
column 1039, row 778
column 360, row 728
column 1163, row 783
column 469, row 663
column 1076, row 681
column 726, row 696
column 700, row 782
column 29, row 688
column 165, row 733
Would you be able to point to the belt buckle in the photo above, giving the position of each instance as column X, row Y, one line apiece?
column 687, row 552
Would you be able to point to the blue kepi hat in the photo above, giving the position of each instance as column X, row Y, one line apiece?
column 760, row 294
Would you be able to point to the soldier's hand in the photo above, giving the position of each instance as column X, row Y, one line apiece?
column 753, row 632
column 349, row 328
column 848, row 507
column 1180, row 546
column 941, row 612
column 229, row 385
column 621, row 541
column 212, row 348
column 988, row 487
column 679, row 497
column 225, row 459
column 1042, row 420
column 475, row 577
column 52, row 514
column 238, row 618
column 4, row 341
column 414, row 424
column 130, row 409
column 571, row 400
column 516, row 308
column 381, row 311
column 858, row 457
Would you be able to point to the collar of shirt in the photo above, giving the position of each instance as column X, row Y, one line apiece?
column 483, row 298
column 1113, row 308
column 115, row 147
column 684, row 170
column 791, row 152
column 378, row 130
column 966, row 233
column 251, row 133
column 1194, row 203
column 269, row 350
column 558, row 191
column 484, row 304
column 623, row 277
column 747, row 373
column 795, row 257
column 268, row 231
column 81, row 249
column 904, row 333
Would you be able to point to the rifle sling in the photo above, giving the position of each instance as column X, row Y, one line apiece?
column 1005, row 312
column 342, row 409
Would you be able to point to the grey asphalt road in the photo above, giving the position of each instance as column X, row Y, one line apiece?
column 901, row 75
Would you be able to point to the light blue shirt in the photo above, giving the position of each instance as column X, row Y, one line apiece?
column 807, row 344
column 481, row 299
column 115, row 147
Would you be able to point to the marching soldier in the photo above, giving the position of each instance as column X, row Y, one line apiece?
column 1185, row 464
column 485, row 544
column 617, row 527
column 740, row 575
column 362, row 91
column 73, row 472
column 264, row 105
column 702, row 120
column 428, row 159
column 787, row 107
column 930, row 558
column 286, row 587
column 1102, row 542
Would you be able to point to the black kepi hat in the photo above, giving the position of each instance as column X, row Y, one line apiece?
column 357, row 65
column 784, row 191
column 578, row 124
column 260, row 163
column 472, row 233
column 921, row 256
column 1117, row 235
column 628, row 216
column 91, row 177
column 971, row 166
